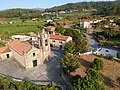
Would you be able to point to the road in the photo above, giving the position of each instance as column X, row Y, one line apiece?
column 93, row 44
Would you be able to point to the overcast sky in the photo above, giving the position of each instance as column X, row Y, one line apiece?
column 7, row 4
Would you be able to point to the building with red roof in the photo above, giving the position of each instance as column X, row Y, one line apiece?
column 85, row 24
column 5, row 53
column 59, row 41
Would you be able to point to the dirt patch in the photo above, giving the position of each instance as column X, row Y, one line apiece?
column 110, row 72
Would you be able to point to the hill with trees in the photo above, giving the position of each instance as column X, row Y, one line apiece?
column 22, row 13
column 82, row 5
column 100, row 8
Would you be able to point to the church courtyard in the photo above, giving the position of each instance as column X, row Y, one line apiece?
column 50, row 71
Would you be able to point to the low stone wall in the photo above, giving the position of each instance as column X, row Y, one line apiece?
column 87, row 53
column 91, row 52
column 38, row 82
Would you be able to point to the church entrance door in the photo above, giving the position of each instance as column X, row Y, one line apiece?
column 34, row 63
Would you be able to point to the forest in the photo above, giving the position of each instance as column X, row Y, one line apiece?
column 22, row 13
column 99, row 8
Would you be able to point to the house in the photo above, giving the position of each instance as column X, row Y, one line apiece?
column 97, row 21
column 5, row 53
column 50, row 29
column 84, row 24
column 49, row 20
column 20, row 37
column 34, row 38
column 59, row 41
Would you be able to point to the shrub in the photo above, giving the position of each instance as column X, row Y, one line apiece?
column 97, row 64
column 111, row 57
column 100, row 37
column 118, row 55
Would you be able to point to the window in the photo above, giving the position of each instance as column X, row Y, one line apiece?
column 7, row 55
column 53, row 41
column 60, row 42
column 33, row 54
column 46, row 42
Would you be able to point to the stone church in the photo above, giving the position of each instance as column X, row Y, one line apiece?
column 29, row 54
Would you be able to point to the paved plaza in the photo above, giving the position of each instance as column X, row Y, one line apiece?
column 50, row 71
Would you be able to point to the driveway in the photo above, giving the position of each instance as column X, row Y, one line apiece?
column 93, row 44
column 50, row 71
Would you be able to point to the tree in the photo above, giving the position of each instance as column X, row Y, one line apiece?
column 92, row 81
column 7, row 83
column 79, row 39
column 109, row 33
column 97, row 64
column 70, row 47
column 60, row 29
column 70, row 63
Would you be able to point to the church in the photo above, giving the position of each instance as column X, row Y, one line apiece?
column 30, row 53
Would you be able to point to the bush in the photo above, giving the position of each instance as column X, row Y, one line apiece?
column 100, row 37
column 7, row 83
column 97, row 64
column 118, row 55
column 111, row 57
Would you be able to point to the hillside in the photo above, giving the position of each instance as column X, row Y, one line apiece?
column 81, row 5
column 22, row 13
column 98, row 8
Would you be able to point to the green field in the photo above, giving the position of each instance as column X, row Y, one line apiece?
column 6, row 30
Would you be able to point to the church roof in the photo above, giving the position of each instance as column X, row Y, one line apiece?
column 58, row 37
column 20, row 47
column 4, row 49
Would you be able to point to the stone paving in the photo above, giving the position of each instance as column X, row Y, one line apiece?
column 50, row 71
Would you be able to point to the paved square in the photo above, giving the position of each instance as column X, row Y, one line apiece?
column 50, row 71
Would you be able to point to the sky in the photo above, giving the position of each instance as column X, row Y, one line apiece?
column 8, row 4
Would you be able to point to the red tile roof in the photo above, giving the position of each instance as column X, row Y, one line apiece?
column 58, row 37
column 4, row 49
column 20, row 47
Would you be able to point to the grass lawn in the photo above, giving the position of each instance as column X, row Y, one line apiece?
column 110, row 72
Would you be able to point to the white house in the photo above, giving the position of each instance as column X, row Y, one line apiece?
column 96, row 21
column 85, row 24
column 20, row 37
column 59, row 41
column 49, row 20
